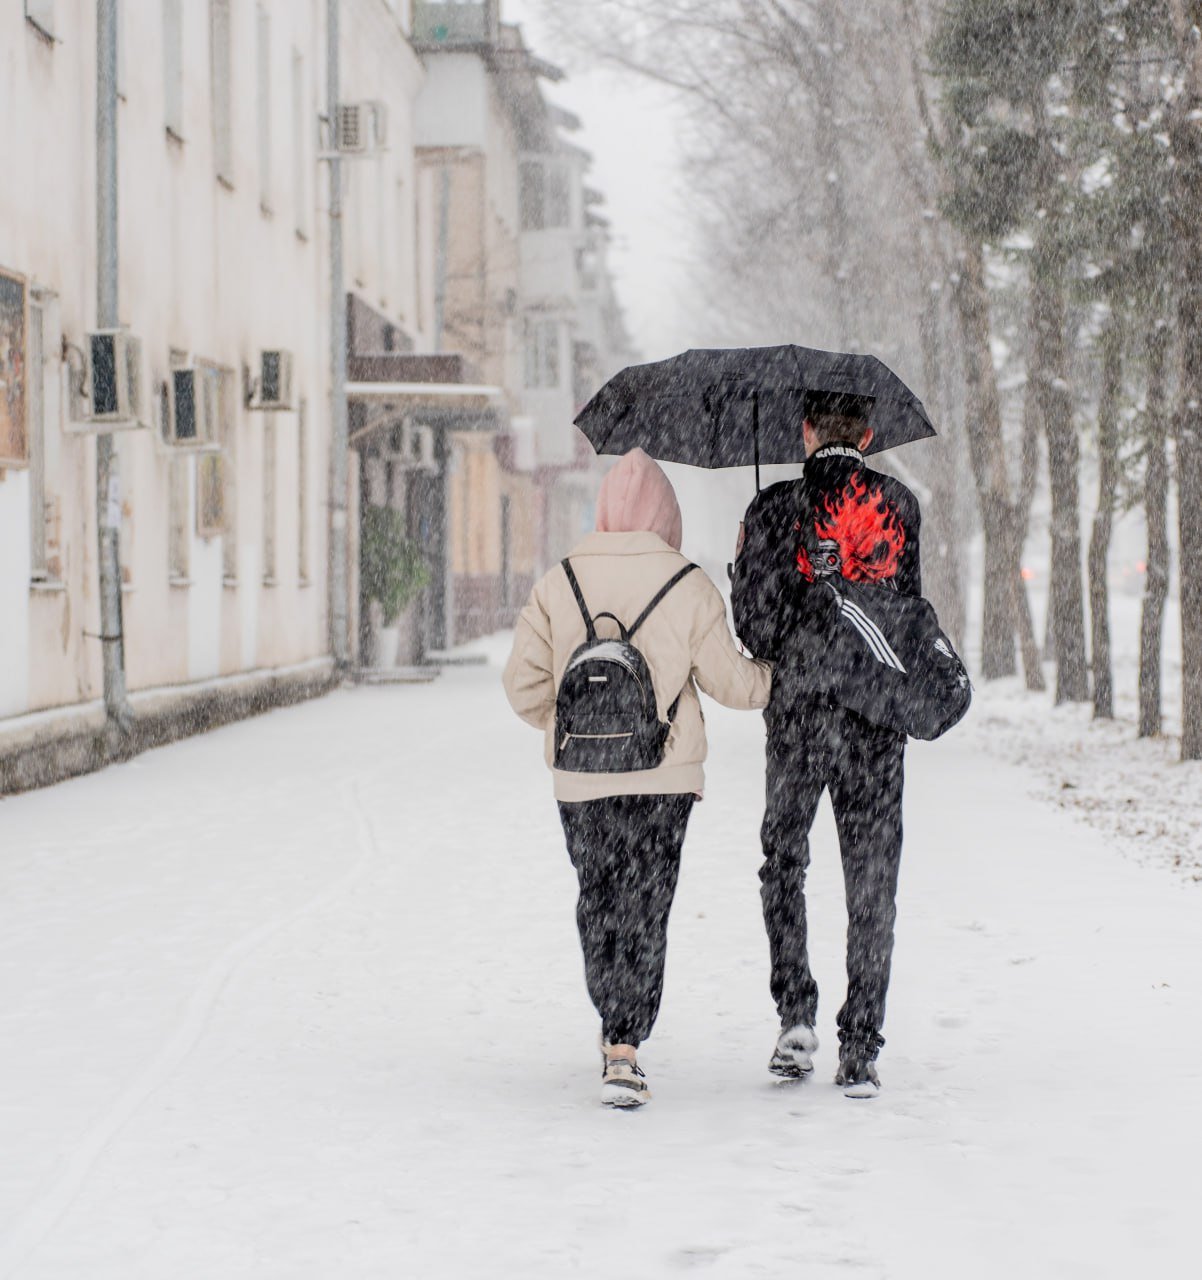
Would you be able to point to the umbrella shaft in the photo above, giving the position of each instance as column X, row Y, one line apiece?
column 755, row 432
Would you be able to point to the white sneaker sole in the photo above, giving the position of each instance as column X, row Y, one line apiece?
column 862, row 1090
column 619, row 1095
column 792, row 1066
column 793, row 1056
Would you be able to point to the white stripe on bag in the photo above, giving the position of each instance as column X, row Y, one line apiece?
column 880, row 635
column 869, row 639
column 873, row 634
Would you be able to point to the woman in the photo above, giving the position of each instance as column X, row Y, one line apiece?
column 625, row 829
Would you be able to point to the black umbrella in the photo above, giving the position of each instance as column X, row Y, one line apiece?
column 744, row 406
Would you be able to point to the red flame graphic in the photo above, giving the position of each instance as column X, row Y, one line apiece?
column 865, row 529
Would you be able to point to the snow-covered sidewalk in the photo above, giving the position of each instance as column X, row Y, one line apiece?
column 302, row 999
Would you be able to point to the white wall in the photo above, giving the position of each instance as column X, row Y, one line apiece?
column 380, row 195
column 207, row 268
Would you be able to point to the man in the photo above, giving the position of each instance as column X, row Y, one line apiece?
column 842, row 519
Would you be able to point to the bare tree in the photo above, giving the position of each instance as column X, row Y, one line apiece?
column 1185, row 131
column 1156, row 509
column 1103, row 521
column 815, row 198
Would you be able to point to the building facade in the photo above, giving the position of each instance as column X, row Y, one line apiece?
column 523, row 289
column 224, row 280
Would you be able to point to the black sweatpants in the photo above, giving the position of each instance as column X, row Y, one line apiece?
column 626, row 851
column 863, row 767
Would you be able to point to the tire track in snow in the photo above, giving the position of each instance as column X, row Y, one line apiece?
column 40, row 1218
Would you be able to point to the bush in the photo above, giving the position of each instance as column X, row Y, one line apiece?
column 392, row 565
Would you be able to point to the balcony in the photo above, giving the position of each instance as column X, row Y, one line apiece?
column 455, row 24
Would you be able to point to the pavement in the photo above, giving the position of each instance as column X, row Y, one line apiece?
column 303, row 998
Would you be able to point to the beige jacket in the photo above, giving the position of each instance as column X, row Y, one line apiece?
column 686, row 642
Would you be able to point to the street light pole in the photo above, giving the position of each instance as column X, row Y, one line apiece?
column 339, row 534
column 108, row 480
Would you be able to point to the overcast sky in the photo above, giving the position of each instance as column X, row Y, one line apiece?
column 629, row 128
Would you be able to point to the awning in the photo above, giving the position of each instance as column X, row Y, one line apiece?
column 446, row 404
column 420, row 390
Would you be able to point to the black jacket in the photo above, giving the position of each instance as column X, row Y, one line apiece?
column 839, row 518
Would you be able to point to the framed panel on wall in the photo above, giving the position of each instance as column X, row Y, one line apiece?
column 14, row 370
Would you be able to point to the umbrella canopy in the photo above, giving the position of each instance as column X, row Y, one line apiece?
column 743, row 406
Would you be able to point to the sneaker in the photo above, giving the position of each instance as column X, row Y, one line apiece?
column 792, row 1059
column 622, row 1081
column 857, row 1078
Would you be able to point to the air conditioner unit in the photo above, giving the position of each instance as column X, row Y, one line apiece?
column 191, row 409
column 360, row 128
column 112, row 382
column 273, row 389
column 417, row 448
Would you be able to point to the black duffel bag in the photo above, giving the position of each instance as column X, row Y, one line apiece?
column 888, row 660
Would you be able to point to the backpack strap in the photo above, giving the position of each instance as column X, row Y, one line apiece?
column 621, row 626
column 659, row 596
column 589, row 626
column 673, row 708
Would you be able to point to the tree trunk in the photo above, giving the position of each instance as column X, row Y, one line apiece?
column 1185, row 133
column 1189, row 509
column 988, row 457
column 1056, row 410
column 943, row 559
column 961, row 499
column 1156, row 514
column 1103, row 522
column 1049, row 634
column 1029, row 645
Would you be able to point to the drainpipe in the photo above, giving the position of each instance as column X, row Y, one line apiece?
column 339, row 541
column 118, row 715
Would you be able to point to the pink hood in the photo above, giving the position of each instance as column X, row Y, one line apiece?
column 637, row 497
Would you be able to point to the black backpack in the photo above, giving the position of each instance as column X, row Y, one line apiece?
column 606, row 719
column 893, row 664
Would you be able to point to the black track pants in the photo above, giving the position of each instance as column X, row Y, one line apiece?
column 863, row 767
column 626, row 851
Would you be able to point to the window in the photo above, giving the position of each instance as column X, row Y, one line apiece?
column 227, row 433
column 533, row 195
column 300, row 133
column 558, row 198
column 215, row 472
column 263, row 105
column 36, row 409
column 269, row 496
column 542, row 354
column 223, row 153
column 173, row 68
column 41, row 14
column 211, row 510
column 120, row 489
column 545, row 195
column 179, row 541
column 302, row 491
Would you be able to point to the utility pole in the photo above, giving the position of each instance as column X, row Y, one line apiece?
column 108, row 480
column 339, row 550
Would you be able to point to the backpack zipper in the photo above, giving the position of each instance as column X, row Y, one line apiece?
column 621, row 662
column 591, row 737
